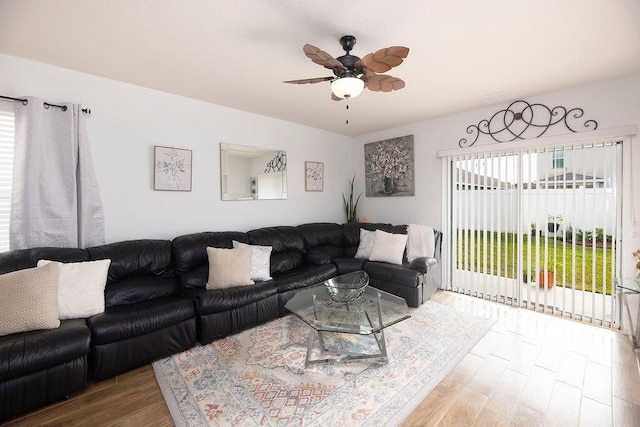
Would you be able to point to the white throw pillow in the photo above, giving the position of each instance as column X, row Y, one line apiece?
column 80, row 287
column 229, row 268
column 388, row 247
column 28, row 300
column 260, row 260
column 366, row 244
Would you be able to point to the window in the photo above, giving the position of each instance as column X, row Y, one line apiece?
column 7, row 130
column 558, row 159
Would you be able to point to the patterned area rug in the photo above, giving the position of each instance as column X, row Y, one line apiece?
column 257, row 377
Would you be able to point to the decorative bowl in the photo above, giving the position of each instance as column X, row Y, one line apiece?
column 347, row 287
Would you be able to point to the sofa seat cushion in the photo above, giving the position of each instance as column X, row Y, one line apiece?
column 219, row 300
column 28, row 352
column 401, row 275
column 303, row 277
column 126, row 321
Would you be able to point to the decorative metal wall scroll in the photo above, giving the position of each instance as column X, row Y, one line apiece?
column 278, row 163
column 521, row 120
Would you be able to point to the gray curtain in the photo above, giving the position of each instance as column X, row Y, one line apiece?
column 55, row 196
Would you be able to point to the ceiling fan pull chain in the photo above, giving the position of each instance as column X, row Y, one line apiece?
column 347, row 110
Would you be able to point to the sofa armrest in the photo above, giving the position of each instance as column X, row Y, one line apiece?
column 423, row 264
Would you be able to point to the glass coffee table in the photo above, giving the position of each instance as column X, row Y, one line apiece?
column 367, row 314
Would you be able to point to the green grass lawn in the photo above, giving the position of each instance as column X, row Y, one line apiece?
column 559, row 256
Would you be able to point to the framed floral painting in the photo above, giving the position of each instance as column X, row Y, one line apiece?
column 314, row 176
column 389, row 167
column 172, row 169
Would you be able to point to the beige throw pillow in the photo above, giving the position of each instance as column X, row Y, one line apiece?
column 229, row 267
column 29, row 300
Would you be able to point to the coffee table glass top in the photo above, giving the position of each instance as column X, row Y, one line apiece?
column 373, row 311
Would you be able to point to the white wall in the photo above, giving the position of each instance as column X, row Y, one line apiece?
column 127, row 121
column 612, row 103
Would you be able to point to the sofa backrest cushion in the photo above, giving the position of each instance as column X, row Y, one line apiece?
column 323, row 241
column 190, row 254
column 28, row 258
column 140, row 270
column 287, row 246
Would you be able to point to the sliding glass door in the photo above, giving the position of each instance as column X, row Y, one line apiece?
column 537, row 227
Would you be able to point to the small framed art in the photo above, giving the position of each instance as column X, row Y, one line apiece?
column 314, row 176
column 172, row 169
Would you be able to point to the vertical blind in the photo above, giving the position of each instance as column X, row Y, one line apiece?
column 537, row 227
column 7, row 129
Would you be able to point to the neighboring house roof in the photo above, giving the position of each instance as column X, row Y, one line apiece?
column 570, row 176
column 471, row 179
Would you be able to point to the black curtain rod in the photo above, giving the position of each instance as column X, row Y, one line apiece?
column 24, row 101
column 46, row 104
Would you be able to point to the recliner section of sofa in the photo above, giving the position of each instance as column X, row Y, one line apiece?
column 144, row 319
column 41, row 367
column 220, row 312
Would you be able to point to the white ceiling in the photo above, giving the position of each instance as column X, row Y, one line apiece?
column 237, row 53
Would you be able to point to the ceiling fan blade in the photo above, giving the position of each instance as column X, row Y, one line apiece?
column 321, row 57
column 384, row 83
column 335, row 98
column 384, row 59
column 369, row 73
column 305, row 81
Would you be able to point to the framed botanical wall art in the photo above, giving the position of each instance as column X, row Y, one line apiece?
column 389, row 167
column 172, row 169
column 314, row 176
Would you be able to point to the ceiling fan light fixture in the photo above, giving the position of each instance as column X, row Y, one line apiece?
column 347, row 87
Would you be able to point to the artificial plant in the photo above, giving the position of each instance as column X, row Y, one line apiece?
column 351, row 207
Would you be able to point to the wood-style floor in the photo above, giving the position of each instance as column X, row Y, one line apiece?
column 530, row 369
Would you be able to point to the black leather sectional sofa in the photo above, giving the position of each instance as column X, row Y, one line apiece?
column 157, row 304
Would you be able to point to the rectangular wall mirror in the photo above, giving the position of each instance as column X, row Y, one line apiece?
column 252, row 173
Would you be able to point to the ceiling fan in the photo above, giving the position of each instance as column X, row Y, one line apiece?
column 352, row 74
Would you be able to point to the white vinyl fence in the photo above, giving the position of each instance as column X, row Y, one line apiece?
column 584, row 209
